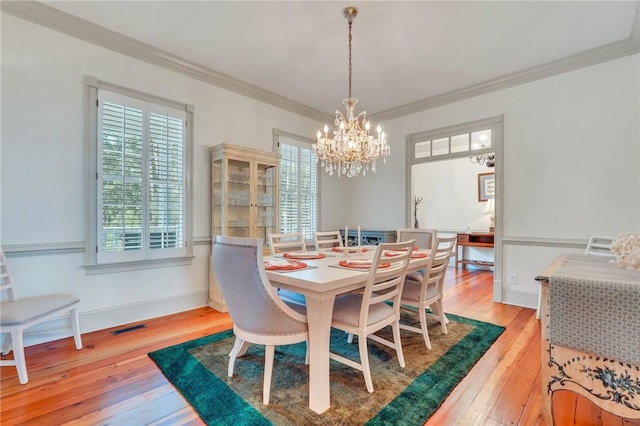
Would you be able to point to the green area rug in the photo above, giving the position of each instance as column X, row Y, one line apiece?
column 402, row 396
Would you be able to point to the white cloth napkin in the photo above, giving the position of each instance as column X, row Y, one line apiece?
column 276, row 263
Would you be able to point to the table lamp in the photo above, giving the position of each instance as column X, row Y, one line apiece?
column 490, row 208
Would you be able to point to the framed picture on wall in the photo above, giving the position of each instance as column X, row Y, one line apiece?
column 486, row 186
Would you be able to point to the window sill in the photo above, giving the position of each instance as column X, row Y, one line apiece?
column 108, row 268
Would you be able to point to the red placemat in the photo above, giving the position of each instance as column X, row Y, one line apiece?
column 361, row 265
column 292, row 265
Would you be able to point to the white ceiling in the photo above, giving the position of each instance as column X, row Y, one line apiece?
column 403, row 52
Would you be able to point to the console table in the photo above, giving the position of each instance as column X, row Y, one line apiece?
column 370, row 237
column 473, row 239
column 590, row 341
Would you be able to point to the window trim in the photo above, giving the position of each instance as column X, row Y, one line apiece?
column 277, row 133
column 91, row 136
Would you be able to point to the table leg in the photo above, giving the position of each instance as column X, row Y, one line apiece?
column 319, row 314
column 464, row 256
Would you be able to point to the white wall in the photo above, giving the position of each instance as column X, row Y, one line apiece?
column 449, row 191
column 44, row 175
column 571, row 165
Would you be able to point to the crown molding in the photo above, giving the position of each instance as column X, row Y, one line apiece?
column 57, row 20
column 587, row 58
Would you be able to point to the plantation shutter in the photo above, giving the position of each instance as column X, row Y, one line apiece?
column 141, row 167
column 166, row 181
column 308, row 193
column 298, row 188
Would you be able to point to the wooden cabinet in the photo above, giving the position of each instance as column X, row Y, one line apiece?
column 473, row 239
column 245, row 199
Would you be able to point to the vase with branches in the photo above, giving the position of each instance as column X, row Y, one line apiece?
column 416, row 200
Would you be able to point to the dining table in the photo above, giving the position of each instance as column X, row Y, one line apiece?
column 320, row 282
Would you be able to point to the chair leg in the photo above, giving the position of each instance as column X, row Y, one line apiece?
column 443, row 319
column 350, row 338
column 269, row 353
column 75, row 324
column 397, row 342
column 306, row 354
column 6, row 346
column 18, row 355
column 364, row 362
column 239, row 348
column 423, row 325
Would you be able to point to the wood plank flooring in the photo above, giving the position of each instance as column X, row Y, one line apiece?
column 112, row 381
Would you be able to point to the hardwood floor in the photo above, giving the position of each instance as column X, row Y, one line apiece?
column 112, row 381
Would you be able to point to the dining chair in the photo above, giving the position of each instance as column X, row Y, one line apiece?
column 259, row 316
column 292, row 242
column 425, row 238
column 327, row 239
column 427, row 291
column 279, row 243
column 376, row 307
column 417, row 296
column 599, row 246
column 18, row 314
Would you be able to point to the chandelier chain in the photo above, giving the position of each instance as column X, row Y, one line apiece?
column 350, row 69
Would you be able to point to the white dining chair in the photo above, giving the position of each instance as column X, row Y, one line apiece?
column 279, row 243
column 599, row 246
column 425, row 238
column 376, row 307
column 259, row 316
column 18, row 314
column 427, row 290
column 327, row 239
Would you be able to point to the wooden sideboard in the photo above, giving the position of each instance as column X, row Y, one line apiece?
column 473, row 239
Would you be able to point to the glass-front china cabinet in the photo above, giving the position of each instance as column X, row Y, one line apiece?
column 244, row 198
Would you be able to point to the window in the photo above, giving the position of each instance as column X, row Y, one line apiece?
column 140, row 154
column 430, row 146
column 298, row 186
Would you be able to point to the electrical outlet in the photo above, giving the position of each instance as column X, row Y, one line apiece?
column 513, row 279
column 505, row 220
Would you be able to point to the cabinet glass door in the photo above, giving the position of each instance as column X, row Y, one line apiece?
column 217, row 197
column 238, row 198
column 266, row 200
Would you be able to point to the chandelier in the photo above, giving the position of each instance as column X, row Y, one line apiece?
column 350, row 148
column 489, row 159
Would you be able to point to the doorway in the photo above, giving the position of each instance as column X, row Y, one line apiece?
column 452, row 174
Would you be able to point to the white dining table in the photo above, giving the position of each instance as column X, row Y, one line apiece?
column 320, row 284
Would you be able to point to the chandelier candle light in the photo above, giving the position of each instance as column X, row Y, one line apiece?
column 350, row 149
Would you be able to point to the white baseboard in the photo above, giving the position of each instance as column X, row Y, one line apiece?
column 59, row 328
column 520, row 298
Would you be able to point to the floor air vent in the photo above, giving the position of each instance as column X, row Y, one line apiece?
column 126, row 330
